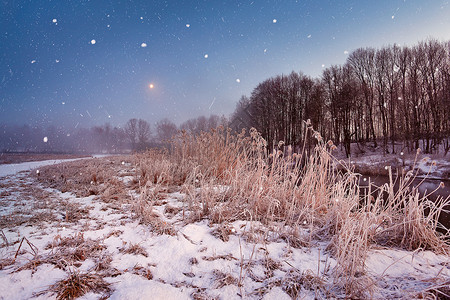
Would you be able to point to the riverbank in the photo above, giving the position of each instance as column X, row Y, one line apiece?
column 370, row 161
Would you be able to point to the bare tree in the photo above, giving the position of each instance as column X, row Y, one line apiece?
column 143, row 134
column 131, row 132
column 165, row 130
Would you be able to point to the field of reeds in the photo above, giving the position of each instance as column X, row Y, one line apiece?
column 302, row 196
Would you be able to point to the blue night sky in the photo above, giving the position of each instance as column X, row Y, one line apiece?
column 85, row 63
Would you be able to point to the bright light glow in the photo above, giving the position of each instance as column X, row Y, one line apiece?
column 151, row 85
column 238, row 80
column 274, row 21
column 188, row 25
column 206, row 55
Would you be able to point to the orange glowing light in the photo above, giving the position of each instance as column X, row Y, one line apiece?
column 151, row 86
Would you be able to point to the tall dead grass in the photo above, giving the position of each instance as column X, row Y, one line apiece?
column 229, row 177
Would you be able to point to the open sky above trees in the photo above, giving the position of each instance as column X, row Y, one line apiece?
column 87, row 63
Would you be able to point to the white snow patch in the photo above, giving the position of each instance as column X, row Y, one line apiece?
column 134, row 287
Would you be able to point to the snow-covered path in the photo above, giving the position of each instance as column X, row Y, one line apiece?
column 10, row 169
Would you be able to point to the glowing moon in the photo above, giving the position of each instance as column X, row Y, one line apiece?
column 151, row 85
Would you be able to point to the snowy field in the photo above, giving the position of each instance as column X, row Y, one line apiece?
column 49, row 238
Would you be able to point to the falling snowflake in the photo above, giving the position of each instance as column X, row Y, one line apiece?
column 393, row 17
column 63, row 103
column 93, row 42
column 33, row 61
column 309, row 36
column 45, row 139
column 143, row 45
column 188, row 25
column 238, row 80
column 142, row 18
column 345, row 52
column 54, row 21
column 323, row 66
column 206, row 55
column 57, row 60
column 109, row 26
column 265, row 50
column 274, row 21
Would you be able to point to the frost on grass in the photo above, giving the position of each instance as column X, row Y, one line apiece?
column 217, row 218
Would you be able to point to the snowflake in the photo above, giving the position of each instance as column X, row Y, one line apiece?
column 54, row 21
column 45, row 139
column 238, row 80
column 93, row 42
column 274, row 21
column 188, row 25
column 143, row 45
column 206, row 55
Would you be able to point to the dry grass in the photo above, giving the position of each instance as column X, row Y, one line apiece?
column 230, row 177
column 222, row 279
column 135, row 249
column 77, row 284
column 87, row 177
column 65, row 252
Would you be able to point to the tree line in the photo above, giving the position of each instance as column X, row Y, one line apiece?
column 134, row 135
column 394, row 97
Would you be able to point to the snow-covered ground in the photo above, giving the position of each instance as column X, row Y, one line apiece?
column 47, row 236
column 369, row 161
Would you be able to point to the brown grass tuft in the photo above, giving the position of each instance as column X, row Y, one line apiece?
column 78, row 284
